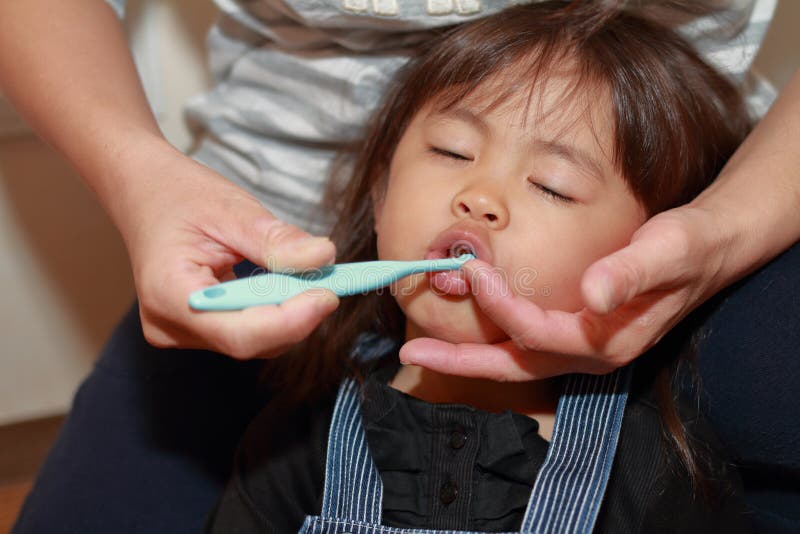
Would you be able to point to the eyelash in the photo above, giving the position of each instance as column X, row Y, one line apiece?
column 550, row 194
column 547, row 192
column 436, row 151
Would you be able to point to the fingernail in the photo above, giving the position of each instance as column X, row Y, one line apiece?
column 482, row 280
column 298, row 250
column 603, row 288
column 404, row 360
column 327, row 302
column 308, row 243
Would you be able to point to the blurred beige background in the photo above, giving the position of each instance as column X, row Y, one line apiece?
column 64, row 276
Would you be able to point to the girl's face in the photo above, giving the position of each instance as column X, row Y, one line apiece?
column 532, row 191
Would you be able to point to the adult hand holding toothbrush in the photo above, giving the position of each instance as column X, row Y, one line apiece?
column 184, row 225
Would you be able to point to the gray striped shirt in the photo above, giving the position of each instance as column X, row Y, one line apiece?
column 295, row 79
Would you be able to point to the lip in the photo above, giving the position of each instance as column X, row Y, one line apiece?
column 475, row 236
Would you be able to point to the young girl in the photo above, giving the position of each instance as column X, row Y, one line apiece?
column 539, row 139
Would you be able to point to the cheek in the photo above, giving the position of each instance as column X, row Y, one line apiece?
column 456, row 320
column 548, row 271
column 394, row 236
column 409, row 217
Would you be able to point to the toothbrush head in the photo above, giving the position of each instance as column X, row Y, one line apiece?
column 460, row 248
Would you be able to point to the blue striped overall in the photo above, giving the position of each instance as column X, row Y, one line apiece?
column 566, row 495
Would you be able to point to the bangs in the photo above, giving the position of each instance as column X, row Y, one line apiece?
column 499, row 59
column 675, row 120
column 526, row 84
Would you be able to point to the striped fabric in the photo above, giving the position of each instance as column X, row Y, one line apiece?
column 352, row 484
column 566, row 495
column 568, row 491
column 295, row 79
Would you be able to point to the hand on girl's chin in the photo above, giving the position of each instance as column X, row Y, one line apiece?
column 454, row 320
column 450, row 316
column 487, row 336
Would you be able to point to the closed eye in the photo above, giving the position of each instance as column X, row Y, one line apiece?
column 448, row 154
column 550, row 194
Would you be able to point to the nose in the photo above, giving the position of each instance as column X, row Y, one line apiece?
column 482, row 205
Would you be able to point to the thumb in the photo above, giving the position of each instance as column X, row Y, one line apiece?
column 653, row 260
column 285, row 246
column 270, row 242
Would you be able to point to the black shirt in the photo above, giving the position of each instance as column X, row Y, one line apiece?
column 448, row 466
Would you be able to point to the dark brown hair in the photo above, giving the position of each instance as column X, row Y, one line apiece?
column 677, row 121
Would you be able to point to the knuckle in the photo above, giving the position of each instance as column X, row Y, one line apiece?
column 237, row 346
column 620, row 356
column 619, row 360
column 292, row 331
column 677, row 239
column 156, row 336
column 277, row 231
column 527, row 340
column 631, row 272
column 673, row 234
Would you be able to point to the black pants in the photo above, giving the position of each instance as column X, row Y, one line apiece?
column 147, row 445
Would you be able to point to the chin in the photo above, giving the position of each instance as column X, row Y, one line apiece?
column 476, row 337
column 451, row 319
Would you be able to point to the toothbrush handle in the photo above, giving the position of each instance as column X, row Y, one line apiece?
column 258, row 290
column 276, row 288
column 343, row 280
column 352, row 278
column 361, row 277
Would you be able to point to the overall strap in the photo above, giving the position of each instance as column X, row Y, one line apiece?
column 353, row 488
column 569, row 489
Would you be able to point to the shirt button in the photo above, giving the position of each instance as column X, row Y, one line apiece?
column 448, row 493
column 458, row 438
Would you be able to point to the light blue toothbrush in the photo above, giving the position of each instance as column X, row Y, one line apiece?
column 343, row 279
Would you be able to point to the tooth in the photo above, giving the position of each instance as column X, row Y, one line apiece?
column 461, row 247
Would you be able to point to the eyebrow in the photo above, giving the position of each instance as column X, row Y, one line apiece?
column 567, row 152
column 464, row 115
column 572, row 154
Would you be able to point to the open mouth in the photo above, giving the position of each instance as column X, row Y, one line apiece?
column 460, row 248
column 453, row 243
column 456, row 243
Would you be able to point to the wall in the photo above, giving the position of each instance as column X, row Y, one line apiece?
column 64, row 276
column 779, row 56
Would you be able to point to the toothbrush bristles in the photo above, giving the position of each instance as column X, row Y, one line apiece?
column 460, row 248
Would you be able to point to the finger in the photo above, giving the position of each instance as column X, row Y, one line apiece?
column 264, row 331
column 527, row 324
column 272, row 243
column 227, row 276
column 502, row 362
column 287, row 247
column 655, row 259
column 260, row 331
